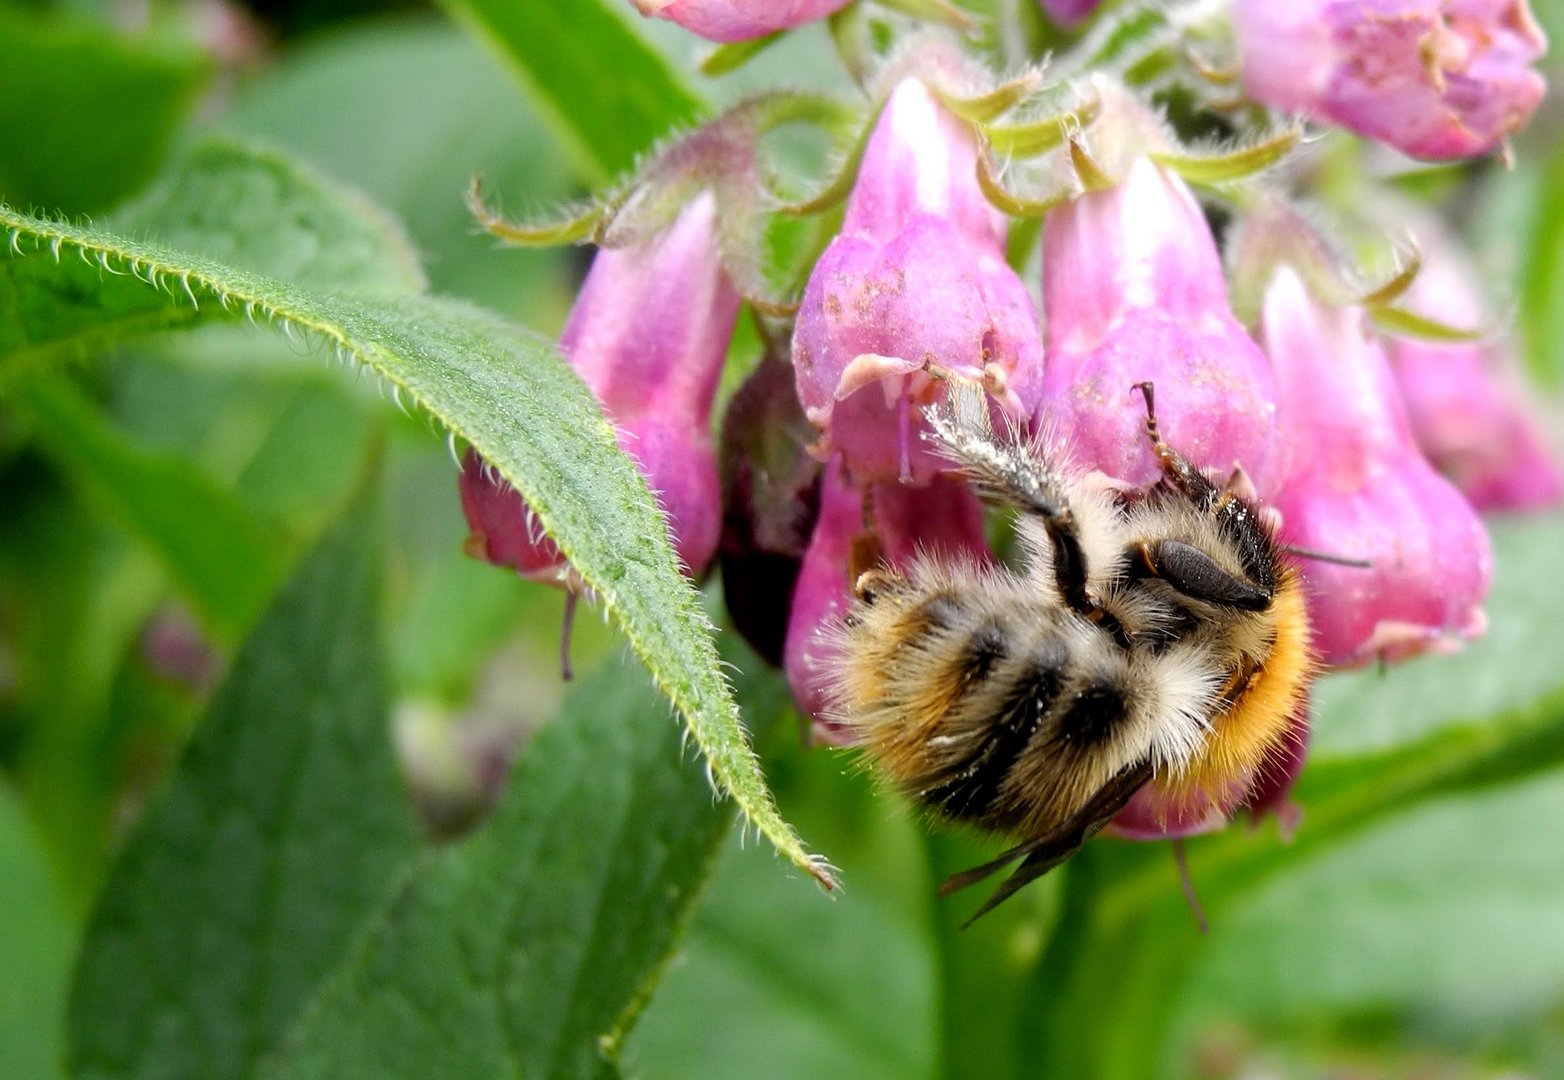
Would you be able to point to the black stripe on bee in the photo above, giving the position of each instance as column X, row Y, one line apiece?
column 970, row 792
column 938, row 612
column 1095, row 710
column 983, row 652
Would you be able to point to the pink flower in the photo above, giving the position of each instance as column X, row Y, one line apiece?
column 1466, row 400
column 1357, row 486
column 771, row 492
column 737, row 20
column 823, row 594
column 1435, row 78
column 942, row 520
column 504, row 532
column 917, row 274
column 648, row 334
column 1069, row 13
column 1133, row 291
column 1152, row 815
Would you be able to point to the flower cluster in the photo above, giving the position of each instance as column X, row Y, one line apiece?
column 1436, row 79
column 1373, row 453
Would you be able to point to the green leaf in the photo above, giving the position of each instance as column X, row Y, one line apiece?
column 1542, row 277
column 76, row 602
column 528, row 950
column 608, row 95
column 771, row 974
column 775, row 974
column 504, row 390
column 262, row 211
column 251, row 209
column 227, row 561
column 1353, row 929
column 36, row 945
column 284, row 828
column 418, row 108
column 86, row 114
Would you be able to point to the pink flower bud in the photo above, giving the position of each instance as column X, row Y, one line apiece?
column 771, row 492
column 1152, row 815
column 822, row 594
column 1466, row 400
column 1069, row 13
column 1133, row 291
column 737, row 20
column 917, row 274
column 1435, row 78
column 648, row 334
column 504, row 532
column 943, row 520
column 1356, row 486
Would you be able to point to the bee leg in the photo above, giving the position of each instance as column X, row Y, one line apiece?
column 1011, row 471
column 1176, row 468
column 1046, row 852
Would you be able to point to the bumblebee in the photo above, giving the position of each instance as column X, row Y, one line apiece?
column 1152, row 637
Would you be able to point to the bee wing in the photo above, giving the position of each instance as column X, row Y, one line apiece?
column 1046, row 852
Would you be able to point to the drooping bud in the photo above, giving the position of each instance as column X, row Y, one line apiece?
column 1466, row 400
column 1069, row 13
column 1133, row 291
column 1356, row 486
column 942, row 520
column 648, row 335
column 771, row 493
column 503, row 530
column 917, row 275
column 1437, row 79
column 737, row 20
column 823, row 594
column 1152, row 815
column 174, row 647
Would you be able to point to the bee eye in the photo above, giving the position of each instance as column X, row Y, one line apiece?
column 1200, row 577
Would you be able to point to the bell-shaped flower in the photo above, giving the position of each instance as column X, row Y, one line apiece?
column 1154, row 813
column 917, row 275
column 942, row 520
column 737, row 20
column 1356, row 486
column 1436, row 79
column 1133, row 291
column 648, row 334
column 1466, row 400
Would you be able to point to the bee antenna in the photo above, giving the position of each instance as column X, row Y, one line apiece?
column 1329, row 557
